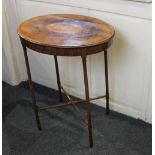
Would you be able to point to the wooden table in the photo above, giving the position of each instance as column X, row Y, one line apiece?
column 67, row 35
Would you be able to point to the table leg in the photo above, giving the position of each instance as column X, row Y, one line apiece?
column 106, row 81
column 31, row 88
column 58, row 78
column 87, row 101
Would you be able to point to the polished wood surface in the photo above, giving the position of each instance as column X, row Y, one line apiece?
column 65, row 31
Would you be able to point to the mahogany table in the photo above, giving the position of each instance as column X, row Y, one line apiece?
column 67, row 35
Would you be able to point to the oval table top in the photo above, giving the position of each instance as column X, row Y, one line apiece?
column 66, row 34
column 65, row 30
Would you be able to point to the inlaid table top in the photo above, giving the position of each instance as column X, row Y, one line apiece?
column 66, row 31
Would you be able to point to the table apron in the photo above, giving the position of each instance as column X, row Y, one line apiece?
column 71, row 51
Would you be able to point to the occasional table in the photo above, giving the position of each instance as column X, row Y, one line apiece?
column 67, row 35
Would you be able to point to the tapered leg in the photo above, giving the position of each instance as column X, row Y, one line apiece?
column 87, row 101
column 106, row 81
column 58, row 78
column 31, row 88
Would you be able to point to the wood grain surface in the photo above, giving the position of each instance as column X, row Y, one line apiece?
column 66, row 31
